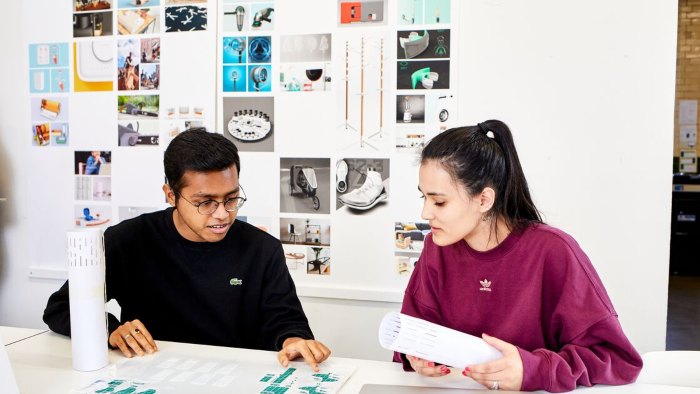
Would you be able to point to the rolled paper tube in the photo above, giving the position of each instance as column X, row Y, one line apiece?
column 86, row 287
column 51, row 106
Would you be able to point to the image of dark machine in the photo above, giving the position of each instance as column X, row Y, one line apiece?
column 302, row 183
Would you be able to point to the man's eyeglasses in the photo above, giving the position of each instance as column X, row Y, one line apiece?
column 208, row 207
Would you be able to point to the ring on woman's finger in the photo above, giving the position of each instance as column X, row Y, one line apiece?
column 495, row 385
column 127, row 336
column 137, row 331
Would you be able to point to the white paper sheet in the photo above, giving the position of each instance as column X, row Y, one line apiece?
column 181, row 373
column 429, row 341
column 8, row 384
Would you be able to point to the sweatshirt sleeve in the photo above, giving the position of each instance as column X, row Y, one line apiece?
column 602, row 354
column 283, row 314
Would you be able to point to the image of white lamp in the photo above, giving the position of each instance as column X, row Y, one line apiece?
column 407, row 116
column 234, row 77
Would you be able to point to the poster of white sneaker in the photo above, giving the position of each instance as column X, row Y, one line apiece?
column 361, row 185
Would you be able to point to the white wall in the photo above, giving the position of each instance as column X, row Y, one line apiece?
column 586, row 86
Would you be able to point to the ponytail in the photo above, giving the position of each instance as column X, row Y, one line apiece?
column 485, row 156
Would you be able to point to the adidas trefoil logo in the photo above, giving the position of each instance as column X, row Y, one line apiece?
column 485, row 285
column 236, row 282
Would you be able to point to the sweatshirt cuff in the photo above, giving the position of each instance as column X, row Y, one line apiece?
column 401, row 358
column 535, row 371
column 291, row 334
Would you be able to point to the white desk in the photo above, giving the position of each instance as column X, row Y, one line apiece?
column 14, row 334
column 42, row 364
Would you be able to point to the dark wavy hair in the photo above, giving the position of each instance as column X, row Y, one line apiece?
column 198, row 150
column 484, row 156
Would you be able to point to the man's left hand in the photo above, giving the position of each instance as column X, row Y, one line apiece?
column 313, row 352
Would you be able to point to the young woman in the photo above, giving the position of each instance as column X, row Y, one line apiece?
column 492, row 268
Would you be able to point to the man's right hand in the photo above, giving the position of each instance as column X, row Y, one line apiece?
column 133, row 336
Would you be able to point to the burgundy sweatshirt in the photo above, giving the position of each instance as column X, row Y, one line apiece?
column 536, row 290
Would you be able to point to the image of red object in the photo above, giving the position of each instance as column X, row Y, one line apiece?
column 350, row 12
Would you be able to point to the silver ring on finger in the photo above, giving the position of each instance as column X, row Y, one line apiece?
column 495, row 385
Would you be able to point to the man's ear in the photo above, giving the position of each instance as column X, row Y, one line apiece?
column 169, row 194
column 486, row 199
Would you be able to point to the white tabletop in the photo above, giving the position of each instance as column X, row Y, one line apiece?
column 13, row 334
column 42, row 364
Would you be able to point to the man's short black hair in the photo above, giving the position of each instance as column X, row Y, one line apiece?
column 198, row 150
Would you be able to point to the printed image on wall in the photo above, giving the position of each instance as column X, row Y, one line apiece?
column 91, row 5
column 48, row 68
column 305, row 185
column 410, row 139
column 183, row 117
column 426, row 44
column 259, row 51
column 305, row 231
column 49, row 121
column 361, row 185
column 305, row 63
column 128, row 60
column 93, row 66
column 318, row 260
column 138, row 21
column 93, row 163
column 138, row 132
column 423, row 12
column 410, row 108
column 241, row 16
column 92, row 215
column 359, row 12
column 138, row 107
column 92, row 24
column 185, row 18
column 138, row 3
column 408, row 244
column 249, row 122
column 422, row 74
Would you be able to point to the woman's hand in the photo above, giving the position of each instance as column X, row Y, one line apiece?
column 133, row 335
column 503, row 374
column 427, row 368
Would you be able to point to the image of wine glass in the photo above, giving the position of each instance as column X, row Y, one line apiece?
column 313, row 75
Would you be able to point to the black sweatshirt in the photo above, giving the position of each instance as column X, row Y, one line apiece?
column 236, row 292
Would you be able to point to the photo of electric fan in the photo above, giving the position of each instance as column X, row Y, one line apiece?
column 259, row 50
column 258, row 75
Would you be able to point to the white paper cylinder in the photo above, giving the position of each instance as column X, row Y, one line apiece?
column 86, row 285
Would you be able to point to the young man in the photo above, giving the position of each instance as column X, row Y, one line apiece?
column 193, row 273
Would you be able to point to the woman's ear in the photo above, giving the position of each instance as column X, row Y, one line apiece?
column 487, row 199
column 169, row 194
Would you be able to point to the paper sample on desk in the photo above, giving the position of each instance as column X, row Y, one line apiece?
column 304, row 381
column 181, row 373
column 409, row 335
column 118, row 386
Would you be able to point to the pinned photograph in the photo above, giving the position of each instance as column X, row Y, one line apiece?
column 126, row 213
column 138, row 21
column 259, row 78
column 410, row 108
column 234, row 78
column 235, row 50
column 361, row 185
column 92, row 215
column 94, row 65
column 259, row 49
column 128, row 60
column 49, row 108
column 421, row 74
column 408, row 245
column 305, row 48
column 425, row 44
column 318, row 260
column 305, row 185
column 305, row 231
column 91, row 5
column 185, row 18
column 150, row 50
column 138, row 3
column 93, row 162
column 138, row 107
column 262, row 16
column 150, row 76
column 92, row 24
column 249, row 122
column 236, row 17
column 138, row 132
column 423, row 12
column 361, row 12
column 102, row 188
column 41, row 134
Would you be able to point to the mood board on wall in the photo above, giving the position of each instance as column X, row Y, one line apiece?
column 329, row 103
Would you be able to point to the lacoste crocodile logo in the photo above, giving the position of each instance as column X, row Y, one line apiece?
column 235, row 282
